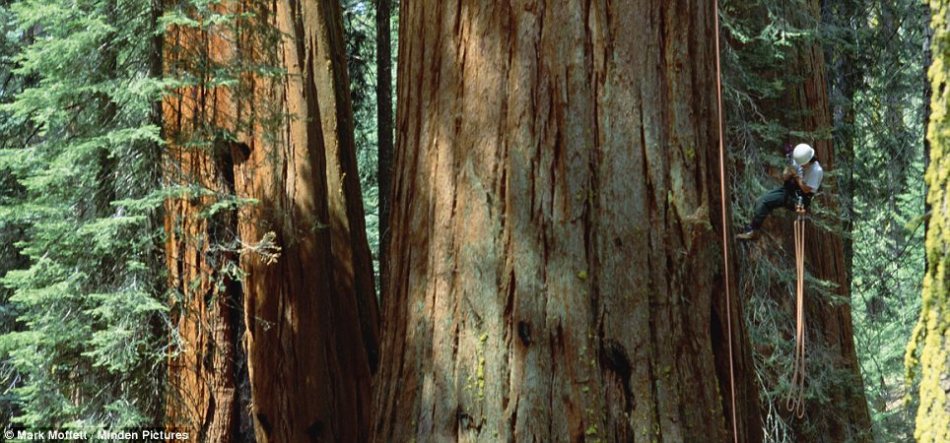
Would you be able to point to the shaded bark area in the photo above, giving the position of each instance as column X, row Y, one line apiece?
column 352, row 258
column 311, row 313
column 202, row 371
column 555, row 267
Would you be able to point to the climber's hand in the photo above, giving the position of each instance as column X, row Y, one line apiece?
column 789, row 173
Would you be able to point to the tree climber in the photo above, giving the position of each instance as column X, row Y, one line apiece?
column 802, row 178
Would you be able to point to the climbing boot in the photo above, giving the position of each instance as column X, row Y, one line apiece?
column 750, row 234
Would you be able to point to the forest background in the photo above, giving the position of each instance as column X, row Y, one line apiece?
column 121, row 119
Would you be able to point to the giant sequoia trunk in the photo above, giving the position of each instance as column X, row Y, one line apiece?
column 556, row 262
column 304, row 289
column 930, row 347
column 312, row 314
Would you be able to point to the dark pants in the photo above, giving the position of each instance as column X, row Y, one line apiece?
column 777, row 198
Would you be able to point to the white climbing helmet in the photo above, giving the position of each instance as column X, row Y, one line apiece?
column 803, row 154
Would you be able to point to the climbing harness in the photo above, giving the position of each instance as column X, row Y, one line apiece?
column 796, row 396
column 725, row 226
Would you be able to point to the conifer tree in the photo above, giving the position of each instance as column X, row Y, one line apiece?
column 268, row 243
column 85, row 304
column 12, row 132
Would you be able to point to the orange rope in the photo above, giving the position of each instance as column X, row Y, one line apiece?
column 725, row 225
column 796, row 397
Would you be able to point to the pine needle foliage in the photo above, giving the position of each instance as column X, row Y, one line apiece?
column 12, row 132
column 86, row 304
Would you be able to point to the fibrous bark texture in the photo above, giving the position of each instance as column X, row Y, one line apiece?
column 931, row 342
column 203, row 394
column 311, row 315
column 555, row 268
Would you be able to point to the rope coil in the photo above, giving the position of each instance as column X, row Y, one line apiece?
column 796, row 397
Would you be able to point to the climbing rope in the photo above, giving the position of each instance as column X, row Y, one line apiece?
column 796, row 396
column 725, row 226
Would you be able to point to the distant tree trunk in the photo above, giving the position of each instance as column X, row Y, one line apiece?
column 899, row 161
column 384, row 121
column 930, row 347
column 848, row 73
column 311, row 315
column 830, row 336
column 556, row 260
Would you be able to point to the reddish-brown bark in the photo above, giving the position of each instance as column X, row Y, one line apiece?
column 309, row 307
column 555, row 268
column 311, row 315
column 202, row 371
column 384, row 122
